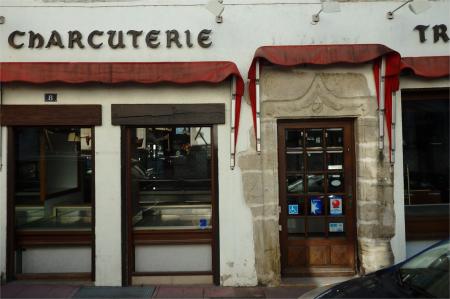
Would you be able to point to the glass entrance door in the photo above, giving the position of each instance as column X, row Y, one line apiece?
column 316, row 197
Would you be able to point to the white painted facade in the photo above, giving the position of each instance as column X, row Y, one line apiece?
column 246, row 26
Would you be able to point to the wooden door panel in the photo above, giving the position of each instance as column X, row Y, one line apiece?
column 319, row 255
column 297, row 256
column 340, row 255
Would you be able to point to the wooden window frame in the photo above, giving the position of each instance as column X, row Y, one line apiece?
column 167, row 237
column 426, row 227
column 46, row 116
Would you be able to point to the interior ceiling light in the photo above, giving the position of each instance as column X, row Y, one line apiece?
column 216, row 7
column 416, row 6
column 327, row 7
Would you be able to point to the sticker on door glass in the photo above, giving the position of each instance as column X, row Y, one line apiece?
column 335, row 205
column 316, row 206
column 293, row 209
column 336, row 227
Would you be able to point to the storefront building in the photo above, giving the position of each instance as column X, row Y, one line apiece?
column 166, row 147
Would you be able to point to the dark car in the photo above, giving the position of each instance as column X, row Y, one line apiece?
column 425, row 275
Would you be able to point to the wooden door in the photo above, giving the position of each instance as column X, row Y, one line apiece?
column 316, row 194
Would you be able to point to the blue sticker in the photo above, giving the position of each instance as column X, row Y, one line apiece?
column 203, row 223
column 316, row 206
column 293, row 209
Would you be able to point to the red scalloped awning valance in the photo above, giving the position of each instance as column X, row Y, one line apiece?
column 428, row 66
column 123, row 72
column 290, row 56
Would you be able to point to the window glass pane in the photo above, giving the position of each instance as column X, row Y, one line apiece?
column 295, row 184
column 336, row 205
column 316, row 226
column 315, row 183
column 296, row 225
column 294, row 162
column 316, row 206
column 336, row 183
column 335, row 160
column 314, row 137
column 315, row 161
column 336, row 227
column 53, row 183
column 171, row 177
column 426, row 151
column 335, row 137
column 295, row 206
column 294, row 138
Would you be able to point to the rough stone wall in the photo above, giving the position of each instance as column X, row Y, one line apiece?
column 302, row 94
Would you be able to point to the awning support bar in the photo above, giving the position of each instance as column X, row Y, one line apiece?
column 233, row 123
column 258, row 107
column 381, row 105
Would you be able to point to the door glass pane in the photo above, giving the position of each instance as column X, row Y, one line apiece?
column 171, row 177
column 54, row 185
column 294, row 162
column 315, row 161
column 314, row 137
column 336, row 183
column 316, row 226
column 295, row 184
column 294, row 138
column 335, row 137
column 315, row 183
column 296, row 225
column 335, row 160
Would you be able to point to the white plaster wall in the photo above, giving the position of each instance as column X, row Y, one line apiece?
column 3, row 205
column 56, row 260
column 400, row 247
column 236, row 233
column 173, row 258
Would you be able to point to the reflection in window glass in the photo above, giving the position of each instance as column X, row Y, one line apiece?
column 295, row 184
column 294, row 162
column 314, row 137
column 53, row 178
column 335, row 137
column 315, row 161
column 335, row 160
column 335, row 182
column 315, row 183
column 171, row 177
column 296, row 225
column 294, row 138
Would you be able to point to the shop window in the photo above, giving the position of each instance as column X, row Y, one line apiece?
column 53, row 179
column 425, row 115
column 171, row 178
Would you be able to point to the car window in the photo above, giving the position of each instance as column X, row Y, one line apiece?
column 428, row 273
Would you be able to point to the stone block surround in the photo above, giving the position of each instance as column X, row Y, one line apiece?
column 318, row 93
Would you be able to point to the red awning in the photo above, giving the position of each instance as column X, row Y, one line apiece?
column 428, row 66
column 290, row 56
column 138, row 72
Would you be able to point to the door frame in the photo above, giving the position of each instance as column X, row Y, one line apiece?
column 351, row 228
